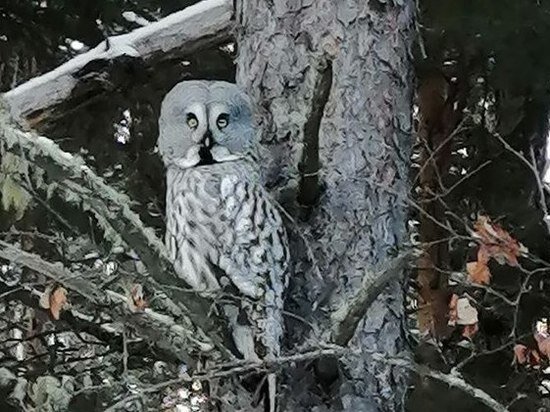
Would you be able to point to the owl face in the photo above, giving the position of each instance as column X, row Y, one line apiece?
column 205, row 122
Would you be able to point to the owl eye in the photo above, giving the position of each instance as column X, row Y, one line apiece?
column 223, row 120
column 192, row 121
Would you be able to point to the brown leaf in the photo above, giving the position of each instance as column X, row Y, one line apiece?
column 497, row 242
column 470, row 330
column 58, row 300
column 525, row 356
column 453, row 313
column 44, row 301
column 137, row 302
column 478, row 272
column 534, row 357
column 465, row 312
column 521, row 353
column 543, row 342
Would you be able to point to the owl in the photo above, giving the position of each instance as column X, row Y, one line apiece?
column 224, row 233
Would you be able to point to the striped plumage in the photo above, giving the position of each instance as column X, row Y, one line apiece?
column 219, row 217
column 223, row 232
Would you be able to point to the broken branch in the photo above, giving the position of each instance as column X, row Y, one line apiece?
column 205, row 23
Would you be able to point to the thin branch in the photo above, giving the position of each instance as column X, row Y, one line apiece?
column 532, row 165
column 542, row 196
column 162, row 330
column 460, row 128
column 243, row 367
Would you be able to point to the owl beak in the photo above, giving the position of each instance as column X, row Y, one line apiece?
column 207, row 140
column 204, row 151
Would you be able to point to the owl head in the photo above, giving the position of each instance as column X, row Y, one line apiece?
column 205, row 122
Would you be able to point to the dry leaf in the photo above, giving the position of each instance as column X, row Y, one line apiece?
column 470, row 330
column 534, row 357
column 44, row 301
column 466, row 313
column 521, row 353
column 58, row 300
column 137, row 302
column 453, row 315
column 461, row 312
column 543, row 342
column 497, row 242
column 478, row 272
column 524, row 355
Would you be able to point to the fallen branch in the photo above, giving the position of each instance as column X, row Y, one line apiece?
column 205, row 23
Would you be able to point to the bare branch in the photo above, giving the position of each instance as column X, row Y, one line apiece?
column 162, row 330
column 208, row 22
column 242, row 367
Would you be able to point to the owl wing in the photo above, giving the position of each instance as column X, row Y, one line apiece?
column 225, row 233
column 255, row 258
column 254, row 240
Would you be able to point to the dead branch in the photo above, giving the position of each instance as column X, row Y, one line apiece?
column 53, row 271
column 205, row 23
column 308, row 189
column 348, row 316
column 79, row 185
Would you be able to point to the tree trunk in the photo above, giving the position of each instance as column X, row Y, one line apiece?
column 363, row 145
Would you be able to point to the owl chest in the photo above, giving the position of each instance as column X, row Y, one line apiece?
column 210, row 207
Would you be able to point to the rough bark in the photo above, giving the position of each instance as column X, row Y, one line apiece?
column 364, row 145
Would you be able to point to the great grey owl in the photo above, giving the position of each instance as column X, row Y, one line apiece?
column 223, row 231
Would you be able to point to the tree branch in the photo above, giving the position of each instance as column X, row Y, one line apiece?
column 205, row 23
column 348, row 316
column 308, row 189
column 161, row 330
column 242, row 367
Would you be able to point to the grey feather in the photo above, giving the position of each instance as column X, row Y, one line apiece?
column 224, row 232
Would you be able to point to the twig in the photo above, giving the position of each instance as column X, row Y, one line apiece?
column 309, row 250
column 161, row 329
column 124, row 351
column 532, row 165
column 447, row 191
column 461, row 127
column 542, row 196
